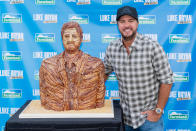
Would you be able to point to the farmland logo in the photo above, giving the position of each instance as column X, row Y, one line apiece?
column 45, row 2
column 45, row 18
column 147, row 19
column 179, row 38
column 107, row 38
column 36, row 75
column 112, row 77
column 11, row 93
column 180, row 57
column 178, row 114
column 180, row 19
column 108, row 18
column 179, row 2
column 111, row 2
column 11, row 18
column 81, row 19
column 44, row 37
column 181, row 76
column 11, row 55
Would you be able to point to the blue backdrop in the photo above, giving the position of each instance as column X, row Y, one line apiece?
column 30, row 32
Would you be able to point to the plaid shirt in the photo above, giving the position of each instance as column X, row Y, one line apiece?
column 139, row 75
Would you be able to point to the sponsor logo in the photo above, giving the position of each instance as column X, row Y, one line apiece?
column 43, row 55
column 180, row 95
column 12, row 74
column 83, row 2
column 178, row 114
column 11, row 18
column 45, row 2
column 147, row 2
column 107, row 93
column 180, row 57
column 86, row 37
column 114, row 93
column 179, row 38
column 46, row 18
column 11, row 93
column 81, row 19
column 111, row 2
column 112, row 77
column 180, row 19
column 44, row 37
column 4, row 35
column 13, row 111
column 36, row 92
column 108, row 18
column 147, row 19
column 3, row 128
column 179, row 2
column 15, row 36
column 6, row 110
column 181, row 76
column 36, row 75
column 16, row 1
column 102, row 55
column 11, row 55
column 178, row 129
column 71, row 0
column 107, row 38
column 151, row 36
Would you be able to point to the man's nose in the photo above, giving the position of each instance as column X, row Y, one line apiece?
column 126, row 24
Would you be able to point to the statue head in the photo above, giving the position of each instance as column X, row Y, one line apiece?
column 72, row 35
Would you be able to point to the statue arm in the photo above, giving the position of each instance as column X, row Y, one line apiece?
column 48, row 83
column 101, row 87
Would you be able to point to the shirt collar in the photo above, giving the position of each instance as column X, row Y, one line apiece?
column 75, row 59
column 136, row 43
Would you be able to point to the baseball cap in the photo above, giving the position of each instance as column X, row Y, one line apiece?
column 127, row 10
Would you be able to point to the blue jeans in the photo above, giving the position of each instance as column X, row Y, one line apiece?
column 148, row 126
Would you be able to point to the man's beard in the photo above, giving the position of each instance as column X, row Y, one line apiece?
column 128, row 38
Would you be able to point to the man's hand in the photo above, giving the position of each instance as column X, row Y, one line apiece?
column 152, row 115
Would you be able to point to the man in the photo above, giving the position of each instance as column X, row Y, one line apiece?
column 72, row 80
column 143, row 73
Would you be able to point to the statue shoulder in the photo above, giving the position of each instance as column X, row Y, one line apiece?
column 51, row 62
column 94, row 62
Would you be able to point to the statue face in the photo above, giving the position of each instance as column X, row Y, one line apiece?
column 71, row 40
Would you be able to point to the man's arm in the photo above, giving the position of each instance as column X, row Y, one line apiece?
column 164, row 92
column 164, row 75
